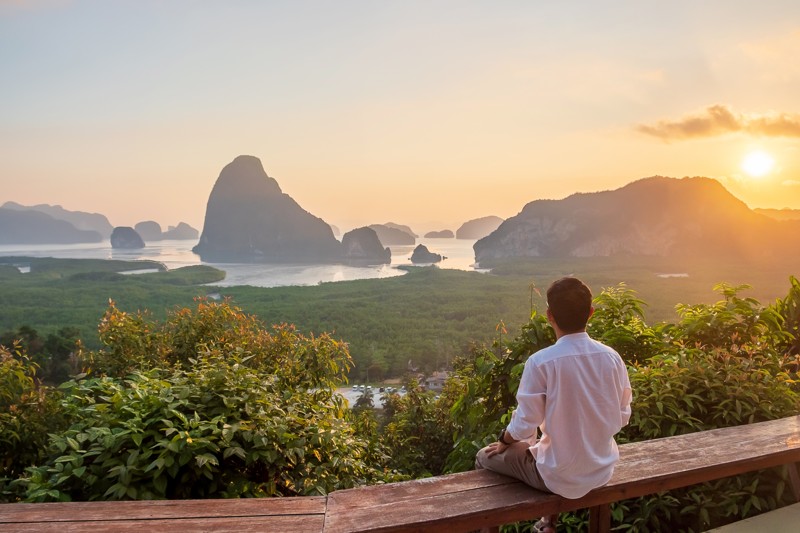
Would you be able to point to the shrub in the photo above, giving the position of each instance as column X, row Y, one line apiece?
column 28, row 412
column 732, row 319
column 618, row 321
column 218, row 407
column 419, row 431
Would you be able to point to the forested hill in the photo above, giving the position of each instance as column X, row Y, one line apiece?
column 654, row 216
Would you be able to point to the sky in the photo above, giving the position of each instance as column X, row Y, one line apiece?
column 426, row 113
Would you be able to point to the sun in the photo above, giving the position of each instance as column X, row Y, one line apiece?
column 757, row 163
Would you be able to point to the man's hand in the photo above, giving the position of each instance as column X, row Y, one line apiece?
column 495, row 448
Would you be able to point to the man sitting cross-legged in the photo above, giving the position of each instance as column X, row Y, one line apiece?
column 577, row 393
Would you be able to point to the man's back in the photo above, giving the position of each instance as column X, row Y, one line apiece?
column 577, row 391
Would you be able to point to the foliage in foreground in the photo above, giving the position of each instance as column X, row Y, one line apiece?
column 207, row 404
column 27, row 413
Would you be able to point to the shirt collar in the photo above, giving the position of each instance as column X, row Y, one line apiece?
column 573, row 337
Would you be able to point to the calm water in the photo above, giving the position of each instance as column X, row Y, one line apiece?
column 175, row 254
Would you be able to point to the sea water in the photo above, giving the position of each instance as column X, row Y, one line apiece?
column 178, row 253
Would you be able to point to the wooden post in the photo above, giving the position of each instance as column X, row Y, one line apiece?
column 794, row 479
column 600, row 519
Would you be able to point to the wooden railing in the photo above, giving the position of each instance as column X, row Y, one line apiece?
column 458, row 502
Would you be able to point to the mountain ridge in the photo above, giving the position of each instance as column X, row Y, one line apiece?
column 656, row 216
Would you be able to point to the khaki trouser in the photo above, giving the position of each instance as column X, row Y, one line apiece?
column 517, row 462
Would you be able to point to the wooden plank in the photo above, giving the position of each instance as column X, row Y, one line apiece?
column 477, row 499
column 156, row 509
column 457, row 502
column 434, row 509
column 393, row 493
column 662, row 464
column 753, row 443
column 282, row 524
column 673, row 462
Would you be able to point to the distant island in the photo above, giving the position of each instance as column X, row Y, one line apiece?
column 657, row 216
column 421, row 254
column 80, row 220
column 394, row 235
column 443, row 234
column 34, row 227
column 150, row 230
column 478, row 228
column 249, row 218
column 52, row 224
column 126, row 238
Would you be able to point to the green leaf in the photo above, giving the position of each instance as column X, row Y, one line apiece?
column 160, row 484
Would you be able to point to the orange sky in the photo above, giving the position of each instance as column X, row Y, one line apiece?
column 421, row 113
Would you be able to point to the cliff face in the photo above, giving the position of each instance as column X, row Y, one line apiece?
column 654, row 216
column 421, row 254
column 362, row 246
column 249, row 218
column 126, row 237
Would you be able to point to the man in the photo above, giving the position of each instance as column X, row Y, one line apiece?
column 577, row 392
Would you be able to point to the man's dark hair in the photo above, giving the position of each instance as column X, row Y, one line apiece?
column 570, row 303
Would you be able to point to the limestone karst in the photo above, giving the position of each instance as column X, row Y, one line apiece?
column 249, row 218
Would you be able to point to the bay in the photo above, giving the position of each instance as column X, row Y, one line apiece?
column 178, row 253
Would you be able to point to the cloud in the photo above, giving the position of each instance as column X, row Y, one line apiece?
column 791, row 183
column 719, row 120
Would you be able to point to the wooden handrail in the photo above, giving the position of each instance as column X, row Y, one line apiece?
column 456, row 502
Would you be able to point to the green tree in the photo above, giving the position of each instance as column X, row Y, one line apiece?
column 215, row 407
column 418, row 431
column 56, row 355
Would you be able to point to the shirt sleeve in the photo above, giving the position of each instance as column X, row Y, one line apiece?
column 531, row 398
column 625, row 404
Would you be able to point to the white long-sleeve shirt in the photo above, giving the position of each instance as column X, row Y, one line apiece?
column 578, row 392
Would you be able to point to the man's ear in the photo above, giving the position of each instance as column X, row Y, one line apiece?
column 591, row 311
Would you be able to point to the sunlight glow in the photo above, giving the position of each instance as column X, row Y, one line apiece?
column 757, row 163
